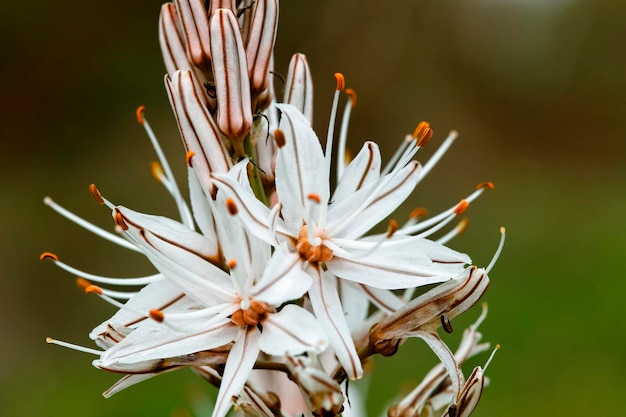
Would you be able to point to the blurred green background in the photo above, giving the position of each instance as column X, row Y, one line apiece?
column 536, row 88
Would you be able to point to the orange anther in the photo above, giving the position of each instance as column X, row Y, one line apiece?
column 418, row 212
column 96, row 194
column 314, row 197
column 48, row 255
column 463, row 224
column 119, row 219
column 279, row 137
column 486, row 184
column 139, row 114
column 341, row 81
column 231, row 206
column 352, row 95
column 157, row 315
column 82, row 283
column 188, row 157
column 49, row 340
column 232, row 263
column 463, row 205
column 156, row 170
column 392, row 228
column 419, row 130
column 93, row 288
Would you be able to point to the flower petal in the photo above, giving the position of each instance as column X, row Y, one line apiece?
column 362, row 171
column 299, row 86
column 327, row 308
column 403, row 263
column 283, row 279
column 240, row 362
column 155, row 340
column 160, row 295
column 355, row 215
column 300, row 168
column 198, row 129
column 293, row 330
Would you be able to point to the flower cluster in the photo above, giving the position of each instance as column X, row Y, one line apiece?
column 274, row 285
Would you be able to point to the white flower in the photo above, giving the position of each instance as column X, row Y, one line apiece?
column 325, row 235
column 243, row 305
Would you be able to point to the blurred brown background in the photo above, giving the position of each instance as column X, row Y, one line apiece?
column 537, row 90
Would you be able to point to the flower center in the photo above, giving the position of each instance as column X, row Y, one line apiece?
column 253, row 315
column 310, row 252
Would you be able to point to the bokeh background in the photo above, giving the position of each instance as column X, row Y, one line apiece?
column 536, row 88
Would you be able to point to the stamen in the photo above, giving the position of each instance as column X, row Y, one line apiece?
column 279, row 137
column 486, row 184
column 460, row 228
column 423, row 133
column 82, row 283
column 341, row 81
column 93, row 289
column 183, row 209
column 72, row 346
column 107, row 280
column 231, row 206
column 157, row 315
column 89, row 226
column 119, row 219
column 443, row 216
column 342, row 159
column 232, row 264
column 156, row 170
column 391, row 230
column 439, row 153
column 139, row 114
column 188, row 157
column 314, row 197
column 461, row 207
column 498, row 251
column 48, row 255
column 96, row 194
column 495, row 349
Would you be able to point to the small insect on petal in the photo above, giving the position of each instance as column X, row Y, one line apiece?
column 445, row 323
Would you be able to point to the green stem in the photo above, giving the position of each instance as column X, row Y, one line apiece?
column 253, row 172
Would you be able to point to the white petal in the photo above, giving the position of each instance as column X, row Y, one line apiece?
column 446, row 357
column 160, row 295
column 327, row 308
column 283, row 279
column 252, row 212
column 154, row 340
column 292, row 330
column 355, row 305
column 362, row 171
column 197, row 277
column 170, row 230
column 396, row 264
column 238, row 367
column 300, row 167
column 200, row 207
column 357, row 214
column 125, row 382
